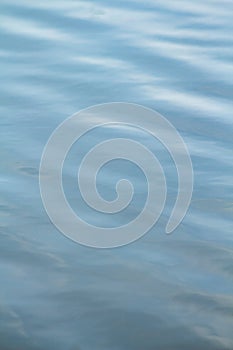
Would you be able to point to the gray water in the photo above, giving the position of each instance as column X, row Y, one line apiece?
column 160, row 292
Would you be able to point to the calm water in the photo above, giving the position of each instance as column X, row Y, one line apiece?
column 161, row 292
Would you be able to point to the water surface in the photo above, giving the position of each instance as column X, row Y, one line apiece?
column 161, row 292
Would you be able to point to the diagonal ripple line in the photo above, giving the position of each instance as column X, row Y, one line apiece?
column 116, row 113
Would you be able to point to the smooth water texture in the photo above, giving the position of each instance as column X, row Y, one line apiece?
column 161, row 292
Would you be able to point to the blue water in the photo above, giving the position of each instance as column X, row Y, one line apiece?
column 161, row 292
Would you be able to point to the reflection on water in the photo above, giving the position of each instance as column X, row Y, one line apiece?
column 163, row 292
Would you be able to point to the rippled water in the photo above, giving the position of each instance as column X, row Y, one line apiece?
column 161, row 292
